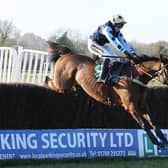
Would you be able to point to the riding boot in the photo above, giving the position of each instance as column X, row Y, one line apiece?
column 104, row 70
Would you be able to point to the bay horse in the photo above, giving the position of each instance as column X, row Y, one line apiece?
column 73, row 70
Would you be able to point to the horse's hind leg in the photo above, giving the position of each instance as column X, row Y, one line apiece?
column 50, row 83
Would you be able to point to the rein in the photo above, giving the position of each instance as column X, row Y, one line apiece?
column 145, row 72
column 162, row 67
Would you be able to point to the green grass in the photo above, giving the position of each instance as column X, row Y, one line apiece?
column 93, row 163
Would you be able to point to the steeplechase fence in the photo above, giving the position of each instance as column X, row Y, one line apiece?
column 20, row 140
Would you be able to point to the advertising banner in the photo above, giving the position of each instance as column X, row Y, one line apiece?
column 147, row 148
column 76, row 143
column 111, row 143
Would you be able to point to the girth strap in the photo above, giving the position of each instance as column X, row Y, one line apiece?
column 132, row 80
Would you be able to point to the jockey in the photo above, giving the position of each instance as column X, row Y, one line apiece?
column 109, row 33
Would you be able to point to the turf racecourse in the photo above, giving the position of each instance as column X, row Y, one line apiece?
column 93, row 163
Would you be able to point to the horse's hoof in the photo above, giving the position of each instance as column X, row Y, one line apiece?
column 109, row 101
column 161, row 146
column 166, row 143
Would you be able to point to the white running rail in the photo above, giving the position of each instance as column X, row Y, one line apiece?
column 24, row 65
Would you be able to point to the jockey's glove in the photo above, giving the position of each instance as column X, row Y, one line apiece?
column 132, row 57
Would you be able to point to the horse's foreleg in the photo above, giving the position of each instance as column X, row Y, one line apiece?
column 150, row 133
column 156, row 129
column 144, row 108
column 131, row 109
column 139, row 120
column 153, row 138
column 161, row 136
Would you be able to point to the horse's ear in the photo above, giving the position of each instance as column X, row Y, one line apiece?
column 161, row 57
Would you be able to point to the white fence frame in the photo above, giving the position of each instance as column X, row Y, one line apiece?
column 24, row 65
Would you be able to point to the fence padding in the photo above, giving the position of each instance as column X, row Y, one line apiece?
column 26, row 106
column 157, row 99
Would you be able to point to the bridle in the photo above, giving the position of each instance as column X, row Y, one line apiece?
column 161, row 73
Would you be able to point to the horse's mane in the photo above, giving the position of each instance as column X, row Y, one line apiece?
column 56, row 50
column 145, row 58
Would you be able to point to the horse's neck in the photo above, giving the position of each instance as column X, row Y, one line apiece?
column 151, row 66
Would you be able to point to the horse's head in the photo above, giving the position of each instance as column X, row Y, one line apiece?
column 153, row 67
column 162, row 74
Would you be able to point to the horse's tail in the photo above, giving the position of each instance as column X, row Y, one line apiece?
column 56, row 50
column 46, row 80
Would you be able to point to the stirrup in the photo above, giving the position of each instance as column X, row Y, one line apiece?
column 100, row 80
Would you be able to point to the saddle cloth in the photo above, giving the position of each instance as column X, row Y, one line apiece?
column 113, row 72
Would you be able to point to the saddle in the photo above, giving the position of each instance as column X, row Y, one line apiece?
column 113, row 73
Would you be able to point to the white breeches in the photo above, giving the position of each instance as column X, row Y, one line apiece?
column 102, row 51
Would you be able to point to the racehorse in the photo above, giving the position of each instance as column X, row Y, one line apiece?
column 73, row 69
